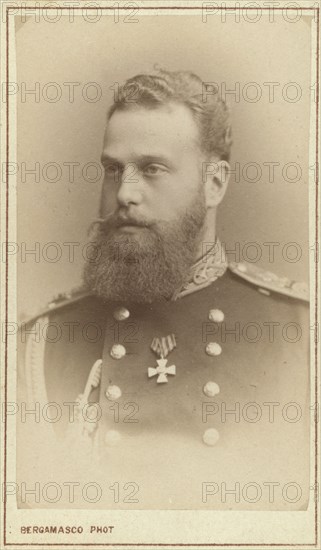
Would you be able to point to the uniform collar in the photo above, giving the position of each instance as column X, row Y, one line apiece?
column 205, row 271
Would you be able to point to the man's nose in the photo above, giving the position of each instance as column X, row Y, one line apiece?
column 129, row 191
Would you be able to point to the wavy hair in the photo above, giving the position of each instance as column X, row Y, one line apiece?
column 209, row 111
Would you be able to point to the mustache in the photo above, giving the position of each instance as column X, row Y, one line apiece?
column 118, row 219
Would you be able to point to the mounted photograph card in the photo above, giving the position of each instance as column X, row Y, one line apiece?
column 160, row 246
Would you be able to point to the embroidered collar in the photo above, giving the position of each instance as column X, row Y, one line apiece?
column 205, row 271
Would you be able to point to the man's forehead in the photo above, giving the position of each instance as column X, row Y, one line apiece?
column 150, row 131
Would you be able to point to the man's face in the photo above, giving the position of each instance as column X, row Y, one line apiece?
column 153, row 165
column 153, row 205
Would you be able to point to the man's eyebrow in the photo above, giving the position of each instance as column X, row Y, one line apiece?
column 106, row 158
column 143, row 159
column 139, row 159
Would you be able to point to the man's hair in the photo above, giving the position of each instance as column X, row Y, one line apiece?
column 209, row 111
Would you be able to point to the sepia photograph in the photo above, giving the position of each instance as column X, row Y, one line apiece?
column 160, row 274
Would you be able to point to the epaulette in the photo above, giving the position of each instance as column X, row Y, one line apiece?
column 267, row 282
column 61, row 300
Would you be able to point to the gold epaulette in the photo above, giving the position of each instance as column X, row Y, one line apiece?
column 267, row 282
column 61, row 300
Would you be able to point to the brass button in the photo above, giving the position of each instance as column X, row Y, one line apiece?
column 118, row 351
column 113, row 393
column 211, row 389
column 211, row 437
column 216, row 315
column 213, row 349
column 121, row 314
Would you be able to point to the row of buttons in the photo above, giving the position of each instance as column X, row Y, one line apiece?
column 118, row 351
column 211, row 435
column 114, row 392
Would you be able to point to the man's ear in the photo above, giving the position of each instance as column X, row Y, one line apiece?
column 216, row 175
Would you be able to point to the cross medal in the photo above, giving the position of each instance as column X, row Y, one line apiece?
column 162, row 346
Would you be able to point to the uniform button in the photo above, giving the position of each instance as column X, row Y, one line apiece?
column 213, row 349
column 121, row 314
column 112, row 438
column 211, row 437
column 113, row 392
column 211, row 389
column 216, row 315
column 117, row 351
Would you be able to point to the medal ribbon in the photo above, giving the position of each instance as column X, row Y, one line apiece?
column 163, row 346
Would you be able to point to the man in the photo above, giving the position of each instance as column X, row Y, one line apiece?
column 181, row 379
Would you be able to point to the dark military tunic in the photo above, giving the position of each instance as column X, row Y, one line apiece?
column 228, row 430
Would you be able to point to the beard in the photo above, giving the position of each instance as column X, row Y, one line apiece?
column 149, row 264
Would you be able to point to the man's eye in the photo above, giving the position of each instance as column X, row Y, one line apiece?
column 113, row 172
column 154, row 170
column 111, row 168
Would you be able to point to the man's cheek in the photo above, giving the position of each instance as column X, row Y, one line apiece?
column 109, row 192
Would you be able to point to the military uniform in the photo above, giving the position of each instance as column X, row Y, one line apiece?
column 197, row 402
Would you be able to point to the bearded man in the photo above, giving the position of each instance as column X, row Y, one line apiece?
column 178, row 376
